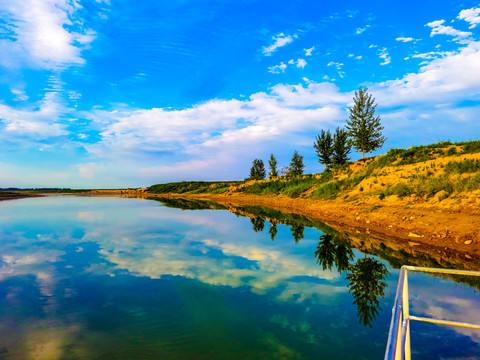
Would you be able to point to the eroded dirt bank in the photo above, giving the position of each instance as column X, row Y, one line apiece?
column 441, row 230
column 4, row 195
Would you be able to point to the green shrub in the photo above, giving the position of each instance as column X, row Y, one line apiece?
column 451, row 151
column 470, row 146
column 401, row 190
column 328, row 190
column 464, row 166
column 433, row 185
column 468, row 184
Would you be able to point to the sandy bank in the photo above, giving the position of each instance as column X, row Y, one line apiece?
column 14, row 195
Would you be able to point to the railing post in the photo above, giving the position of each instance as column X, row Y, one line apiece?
column 406, row 314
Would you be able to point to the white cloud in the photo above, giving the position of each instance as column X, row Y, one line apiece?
column 359, row 57
column 438, row 28
column 46, row 33
column 20, row 95
column 433, row 54
column 404, row 39
column 361, row 30
column 301, row 63
column 278, row 41
column 472, row 16
column 41, row 123
column 308, row 52
column 213, row 134
column 383, row 54
column 452, row 77
column 276, row 69
column 337, row 66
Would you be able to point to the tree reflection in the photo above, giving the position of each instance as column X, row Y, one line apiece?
column 344, row 254
column 325, row 252
column 366, row 276
column 297, row 232
column 333, row 251
column 366, row 285
column 258, row 223
column 273, row 230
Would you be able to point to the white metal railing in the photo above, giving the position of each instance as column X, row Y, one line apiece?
column 398, row 346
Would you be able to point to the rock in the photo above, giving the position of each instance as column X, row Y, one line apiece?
column 412, row 217
column 358, row 217
column 411, row 243
column 468, row 242
column 368, row 221
column 414, row 235
column 468, row 256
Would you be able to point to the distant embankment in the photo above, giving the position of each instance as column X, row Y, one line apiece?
column 116, row 191
column 10, row 195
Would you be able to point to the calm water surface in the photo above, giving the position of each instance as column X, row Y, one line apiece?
column 116, row 278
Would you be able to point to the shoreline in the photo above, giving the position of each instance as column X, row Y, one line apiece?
column 14, row 196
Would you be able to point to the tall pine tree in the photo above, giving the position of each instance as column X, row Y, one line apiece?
column 363, row 127
column 257, row 171
column 273, row 166
column 296, row 165
column 324, row 148
column 340, row 147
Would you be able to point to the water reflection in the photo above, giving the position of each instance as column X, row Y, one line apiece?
column 366, row 283
column 123, row 278
column 366, row 277
column 297, row 232
column 273, row 230
column 258, row 223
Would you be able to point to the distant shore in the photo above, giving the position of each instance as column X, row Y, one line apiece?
column 12, row 195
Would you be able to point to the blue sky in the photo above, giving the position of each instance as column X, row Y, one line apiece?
column 101, row 93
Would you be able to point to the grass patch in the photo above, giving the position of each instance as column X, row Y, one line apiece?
column 464, row 166
column 431, row 186
column 193, row 187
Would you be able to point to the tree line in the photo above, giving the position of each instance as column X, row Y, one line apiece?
column 363, row 131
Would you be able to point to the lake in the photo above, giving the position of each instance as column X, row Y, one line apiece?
column 123, row 278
